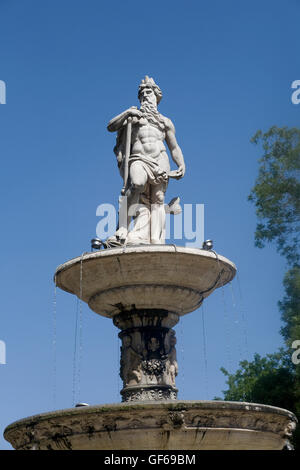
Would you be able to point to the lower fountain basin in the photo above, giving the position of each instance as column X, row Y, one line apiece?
column 165, row 277
column 183, row 425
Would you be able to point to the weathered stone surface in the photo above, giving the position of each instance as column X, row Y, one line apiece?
column 148, row 355
column 185, row 425
column 166, row 277
column 145, row 289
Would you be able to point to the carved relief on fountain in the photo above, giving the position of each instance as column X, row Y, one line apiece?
column 148, row 364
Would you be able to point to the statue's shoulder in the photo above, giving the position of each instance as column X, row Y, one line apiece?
column 169, row 126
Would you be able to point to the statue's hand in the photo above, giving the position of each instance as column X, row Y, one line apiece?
column 133, row 112
column 162, row 178
column 180, row 172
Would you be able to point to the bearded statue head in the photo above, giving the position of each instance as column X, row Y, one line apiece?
column 149, row 83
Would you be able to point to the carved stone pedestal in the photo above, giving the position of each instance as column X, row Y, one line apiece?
column 145, row 290
column 148, row 355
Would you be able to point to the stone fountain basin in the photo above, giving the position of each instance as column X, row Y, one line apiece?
column 165, row 277
column 184, row 425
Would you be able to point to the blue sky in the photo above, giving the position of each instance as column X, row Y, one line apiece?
column 225, row 69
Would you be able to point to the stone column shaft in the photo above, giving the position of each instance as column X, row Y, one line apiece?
column 148, row 365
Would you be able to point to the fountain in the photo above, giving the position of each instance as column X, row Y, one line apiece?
column 145, row 286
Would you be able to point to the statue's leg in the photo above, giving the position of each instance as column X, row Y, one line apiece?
column 138, row 205
column 127, row 209
column 138, row 181
column 158, row 215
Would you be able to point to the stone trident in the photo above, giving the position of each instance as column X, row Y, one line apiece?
column 127, row 153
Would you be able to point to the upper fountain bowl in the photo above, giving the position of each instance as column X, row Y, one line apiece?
column 166, row 277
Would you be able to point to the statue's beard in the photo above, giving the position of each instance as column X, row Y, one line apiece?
column 148, row 106
column 151, row 113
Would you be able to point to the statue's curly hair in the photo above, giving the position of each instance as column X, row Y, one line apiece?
column 150, row 83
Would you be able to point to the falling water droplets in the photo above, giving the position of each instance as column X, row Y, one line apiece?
column 76, row 383
column 54, row 345
column 204, row 354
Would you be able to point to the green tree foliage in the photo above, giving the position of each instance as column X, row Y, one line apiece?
column 276, row 193
column 269, row 380
column 290, row 306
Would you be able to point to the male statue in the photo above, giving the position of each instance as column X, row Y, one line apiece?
column 145, row 169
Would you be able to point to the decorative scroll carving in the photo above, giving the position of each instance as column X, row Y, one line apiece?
column 149, row 394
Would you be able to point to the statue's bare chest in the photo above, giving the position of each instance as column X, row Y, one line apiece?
column 147, row 133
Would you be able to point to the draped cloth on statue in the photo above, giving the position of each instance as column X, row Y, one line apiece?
column 157, row 180
column 155, row 174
